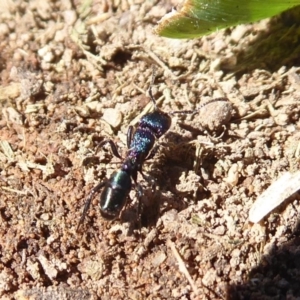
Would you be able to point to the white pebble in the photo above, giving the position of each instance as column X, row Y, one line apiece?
column 113, row 117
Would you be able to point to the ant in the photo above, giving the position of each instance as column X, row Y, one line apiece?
column 141, row 147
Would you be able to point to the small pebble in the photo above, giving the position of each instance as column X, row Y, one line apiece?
column 113, row 117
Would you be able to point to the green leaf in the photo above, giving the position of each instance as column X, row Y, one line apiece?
column 201, row 17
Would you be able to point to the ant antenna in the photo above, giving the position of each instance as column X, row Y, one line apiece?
column 194, row 111
column 150, row 88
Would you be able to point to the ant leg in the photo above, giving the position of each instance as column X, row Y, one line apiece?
column 129, row 136
column 152, row 153
column 198, row 108
column 112, row 146
column 140, row 193
column 148, row 178
column 87, row 204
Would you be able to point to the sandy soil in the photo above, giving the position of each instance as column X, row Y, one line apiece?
column 73, row 75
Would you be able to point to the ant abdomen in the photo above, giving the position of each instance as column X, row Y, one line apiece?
column 114, row 195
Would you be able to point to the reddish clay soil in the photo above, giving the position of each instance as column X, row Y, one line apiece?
column 75, row 74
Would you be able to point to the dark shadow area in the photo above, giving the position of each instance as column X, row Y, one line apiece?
column 276, row 277
column 277, row 46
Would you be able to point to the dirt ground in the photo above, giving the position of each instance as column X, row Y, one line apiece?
column 73, row 74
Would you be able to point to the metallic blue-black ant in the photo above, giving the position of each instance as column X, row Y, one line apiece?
column 141, row 147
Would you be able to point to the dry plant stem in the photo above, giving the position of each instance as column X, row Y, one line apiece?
column 182, row 266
